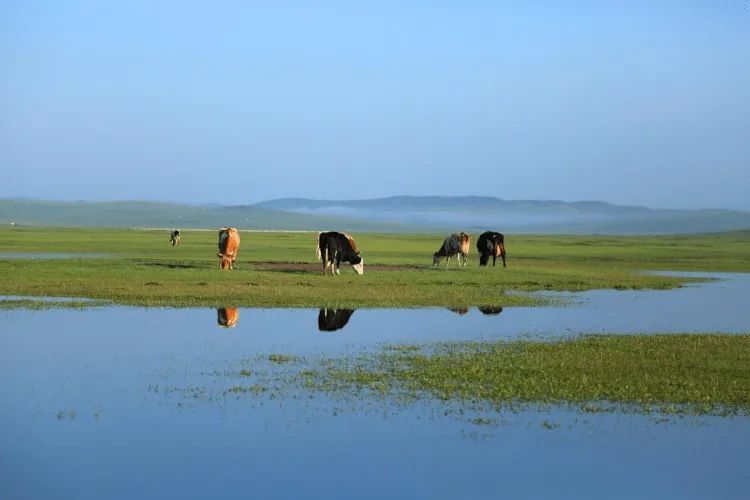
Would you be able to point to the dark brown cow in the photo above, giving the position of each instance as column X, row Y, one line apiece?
column 491, row 243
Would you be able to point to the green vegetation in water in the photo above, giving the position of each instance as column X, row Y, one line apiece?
column 280, row 359
column 246, row 389
column 277, row 269
column 702, row 374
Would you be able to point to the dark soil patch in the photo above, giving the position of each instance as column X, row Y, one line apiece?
column 291, row 267
column 175, row 265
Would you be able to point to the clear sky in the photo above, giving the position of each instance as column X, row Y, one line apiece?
column 630, row 102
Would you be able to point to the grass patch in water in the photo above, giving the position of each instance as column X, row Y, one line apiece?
column 246, row 389
column 280, row 359
column 685, row 373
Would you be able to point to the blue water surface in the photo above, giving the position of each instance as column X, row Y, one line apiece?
column 120, row 402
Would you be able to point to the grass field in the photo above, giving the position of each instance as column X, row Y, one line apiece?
column 275, row 268
column 677, row 373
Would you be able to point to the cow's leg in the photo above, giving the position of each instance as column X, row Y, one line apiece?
column 338, row 263
column 324, row 258
column 494, row 258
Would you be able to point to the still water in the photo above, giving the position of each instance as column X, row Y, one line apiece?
column 123, row 402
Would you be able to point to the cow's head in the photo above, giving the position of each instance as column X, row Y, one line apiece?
column 435, row 259
column 359, row 267
column 500, row 252
column 226, row 261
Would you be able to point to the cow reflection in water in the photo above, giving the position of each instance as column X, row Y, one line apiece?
column 227, row 317
column 459, row 310
column 330, row 320
column 491, row 311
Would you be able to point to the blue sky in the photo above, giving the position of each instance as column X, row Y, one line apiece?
column 642, row 103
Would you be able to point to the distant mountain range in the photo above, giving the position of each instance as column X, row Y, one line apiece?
column 394, row 214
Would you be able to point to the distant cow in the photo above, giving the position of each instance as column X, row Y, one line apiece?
column 335, row 248
column 455, row 244
column 491, row 243
column 330, row 320
column 229, row 246
column 227, row 317
column 174, row 237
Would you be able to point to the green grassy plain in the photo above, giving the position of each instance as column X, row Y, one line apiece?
column 143, row 269
column 668, row 373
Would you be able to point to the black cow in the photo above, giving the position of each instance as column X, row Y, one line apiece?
column 491, row 243
column 330, row 320
column 334, row 248
column 174, row 237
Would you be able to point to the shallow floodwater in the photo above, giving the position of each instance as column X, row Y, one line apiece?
column 121, row 402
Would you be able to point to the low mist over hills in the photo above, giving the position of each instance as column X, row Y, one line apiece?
column 146, row 214
column 395, row 214
column 530, row 216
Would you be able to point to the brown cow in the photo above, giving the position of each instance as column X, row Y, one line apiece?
column 229, row 246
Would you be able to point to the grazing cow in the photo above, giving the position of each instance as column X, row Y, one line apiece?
column 491, row 243
column 334, row 248
column 229, row 246
column 455, row 244
column 330, row 320
column 174, row 237
column 227, row 317
column 491, row 311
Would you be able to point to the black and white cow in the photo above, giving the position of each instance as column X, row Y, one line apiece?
column 491, row 243
column 174, row 237
column 330, row 320
column 335, row 248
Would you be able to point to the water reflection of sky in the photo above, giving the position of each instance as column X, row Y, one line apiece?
column 131, row 402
